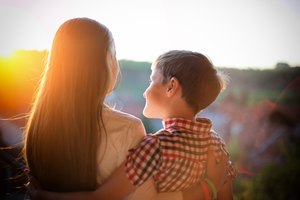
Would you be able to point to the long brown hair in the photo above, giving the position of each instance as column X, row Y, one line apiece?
column 65, row 126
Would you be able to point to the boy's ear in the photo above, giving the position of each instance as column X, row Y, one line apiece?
column 173, row 87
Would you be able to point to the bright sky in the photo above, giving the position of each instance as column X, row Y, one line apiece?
column 233, row 33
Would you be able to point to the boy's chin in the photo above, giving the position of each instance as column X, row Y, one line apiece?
column 148, row 114
column 152, row 116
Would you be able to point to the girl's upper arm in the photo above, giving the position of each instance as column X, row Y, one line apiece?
column 216, row 170
column 169, row 195
column 116, row 187
column 147, row 191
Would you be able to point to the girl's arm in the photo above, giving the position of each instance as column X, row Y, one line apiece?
column 116, row 187
column 119, row 186
column 216, row 172
column 225, row 193
column 196, row 193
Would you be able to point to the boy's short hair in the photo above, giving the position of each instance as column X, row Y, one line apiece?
column 201, row 83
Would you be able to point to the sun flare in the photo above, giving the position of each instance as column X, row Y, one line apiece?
column 20, row 30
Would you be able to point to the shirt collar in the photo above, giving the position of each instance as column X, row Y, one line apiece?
column 199, row 125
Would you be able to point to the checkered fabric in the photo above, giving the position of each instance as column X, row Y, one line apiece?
column 176, row 156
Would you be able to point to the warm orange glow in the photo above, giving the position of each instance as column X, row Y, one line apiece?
column 19, row 77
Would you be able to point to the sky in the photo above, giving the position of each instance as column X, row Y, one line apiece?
column 232, row 33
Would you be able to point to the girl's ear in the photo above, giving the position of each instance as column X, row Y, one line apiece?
column 173, row 87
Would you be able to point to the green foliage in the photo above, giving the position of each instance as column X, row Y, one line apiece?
column 279, row 181
column 126, row 64
column 19, row 76
column 253, row 85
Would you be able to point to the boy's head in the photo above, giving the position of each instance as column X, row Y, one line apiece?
column 200, row 81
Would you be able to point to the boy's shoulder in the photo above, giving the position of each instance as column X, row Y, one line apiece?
column 156, row 137
column 215, row 135
column 177, row 134
column 165, row 135
column 163, row 132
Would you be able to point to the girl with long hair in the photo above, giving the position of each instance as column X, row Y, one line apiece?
column 73, row 141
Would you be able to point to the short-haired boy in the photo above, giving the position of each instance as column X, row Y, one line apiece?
column 186, row 151
column 182, row 83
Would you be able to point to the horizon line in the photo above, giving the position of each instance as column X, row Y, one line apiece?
column 258, row 67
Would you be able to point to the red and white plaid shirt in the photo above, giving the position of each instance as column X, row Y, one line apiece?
column 176, row 156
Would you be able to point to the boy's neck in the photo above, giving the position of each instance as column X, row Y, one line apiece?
column 177, row 107
column 192, row 118
column 180, row 111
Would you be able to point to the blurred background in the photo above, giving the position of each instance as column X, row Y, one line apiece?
column 255, row 42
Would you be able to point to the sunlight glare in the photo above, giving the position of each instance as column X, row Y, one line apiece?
column 20, row 30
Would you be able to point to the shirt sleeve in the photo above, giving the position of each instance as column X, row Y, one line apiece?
column 143, row 162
